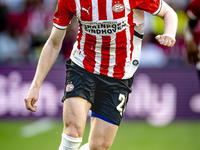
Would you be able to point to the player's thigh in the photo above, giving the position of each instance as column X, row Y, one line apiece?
column 102, row 134
column 75, row 111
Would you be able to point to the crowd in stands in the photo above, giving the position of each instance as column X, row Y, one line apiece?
column 25, row 26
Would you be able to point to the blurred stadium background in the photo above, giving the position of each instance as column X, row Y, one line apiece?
column 163, row 112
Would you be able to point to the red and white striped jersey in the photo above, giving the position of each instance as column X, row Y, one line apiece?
column 110, row 33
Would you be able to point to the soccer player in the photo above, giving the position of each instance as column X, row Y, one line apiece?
column 192, row 34
column 102, row 63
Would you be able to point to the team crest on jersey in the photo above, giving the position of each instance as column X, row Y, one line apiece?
column 118, row 7
column 69, row 87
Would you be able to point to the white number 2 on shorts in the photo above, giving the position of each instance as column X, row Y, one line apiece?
column 122, row 98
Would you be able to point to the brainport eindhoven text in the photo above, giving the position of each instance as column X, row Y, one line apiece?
column 104, row 28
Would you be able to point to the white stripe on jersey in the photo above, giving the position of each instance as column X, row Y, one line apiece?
column 60, row 27
column 95, row 14
column 112, row 55
column 78, row 9
column 109, row 11
column 127, row 7
column 82, row 43
column 98, row 54
column 128, row 51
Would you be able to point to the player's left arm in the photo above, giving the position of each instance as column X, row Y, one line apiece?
column 170, row 19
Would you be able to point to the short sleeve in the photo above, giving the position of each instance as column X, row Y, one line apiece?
column 62, row 15
column 150, row 6
column 193, row 10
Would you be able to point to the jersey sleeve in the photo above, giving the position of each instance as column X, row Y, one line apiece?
column 151, row 6
column 62, row 15
column 193, row 10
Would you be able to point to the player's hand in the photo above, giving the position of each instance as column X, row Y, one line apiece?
column 166, row 40
column 192, row 52
column 31, row 98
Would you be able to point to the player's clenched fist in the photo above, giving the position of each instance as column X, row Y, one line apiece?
column 31, row 98
column 166, row 40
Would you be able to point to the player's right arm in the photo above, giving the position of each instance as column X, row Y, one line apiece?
column 47, row 58
column 62, row 17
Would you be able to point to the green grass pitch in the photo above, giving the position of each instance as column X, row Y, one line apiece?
column 132, row 135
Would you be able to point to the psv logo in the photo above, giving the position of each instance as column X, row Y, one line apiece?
column 118, row 7
column 69, row 87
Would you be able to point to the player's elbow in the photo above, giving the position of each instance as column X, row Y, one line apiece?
column 56, row 44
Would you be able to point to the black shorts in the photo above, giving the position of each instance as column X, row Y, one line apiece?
column 108, row 96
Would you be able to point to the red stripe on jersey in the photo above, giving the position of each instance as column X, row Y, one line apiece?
column 105, row 57
column 132, row 24
column 89, row 51
column 130, row 19
column 133, row 4
column 80, row 33
column 86, row 10
column 131, row 40
column 118, row 9
column 102, row 9
column 121, row 54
